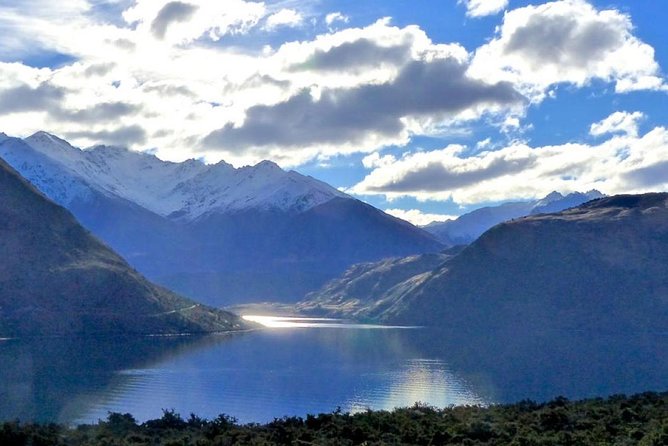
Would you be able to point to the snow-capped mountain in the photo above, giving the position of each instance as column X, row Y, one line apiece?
column 185, row 190
column 468, row 227
column 216, row 233
column 52, row 178
column 556, row 202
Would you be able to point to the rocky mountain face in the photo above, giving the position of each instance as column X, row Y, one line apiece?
column 212, row 232
column 468, row 227
column 56, row 278
column 601, row 267
column 371, row 288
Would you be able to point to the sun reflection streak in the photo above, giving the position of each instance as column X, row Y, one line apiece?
column 310, row 322
column 426, row 381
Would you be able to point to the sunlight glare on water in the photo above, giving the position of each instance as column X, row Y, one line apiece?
column 308, row 322
column 418, row 381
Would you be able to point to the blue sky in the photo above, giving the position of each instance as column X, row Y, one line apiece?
column 424, row 108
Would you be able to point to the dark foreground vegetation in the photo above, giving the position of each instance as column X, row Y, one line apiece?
column 618, row 420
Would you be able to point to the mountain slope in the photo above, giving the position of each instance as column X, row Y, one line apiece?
column 370, row 288
column 468, row 227
column 55, row 278
column 212, row 232
column 602, row 266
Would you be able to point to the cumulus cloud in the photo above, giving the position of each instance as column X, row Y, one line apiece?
column 567, row 41
column 184, row 22
column 622, row 164
column 334, row 17
column 284, row 17
column 481, row 8
column 172, row 12
column 375, row 160
column 369, row 114
column 618, row 122
column 357, row 55
column 24, row 98
column 123, row 136
column 98, row 113
column 353, row 90
column 99, row 69
column 417, row 217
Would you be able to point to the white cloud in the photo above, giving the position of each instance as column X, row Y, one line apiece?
column 481, row 8
column 357, row 90
column 185, row 21
column 284, row 17
column 179, row 89
column 375, row 160
column 362, row 89
column 618, row 122
column 334, row 17
column 483, row 144
column 622, row 164
column 417, row 217
column 567, row 41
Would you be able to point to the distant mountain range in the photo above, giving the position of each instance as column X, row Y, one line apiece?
column 57, row 279
column 468, row 227
column 212, row 232
column 601, row 267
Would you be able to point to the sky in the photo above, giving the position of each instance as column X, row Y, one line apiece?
column 426, row 108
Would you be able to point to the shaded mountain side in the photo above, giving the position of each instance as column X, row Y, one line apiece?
column 261, row 255
column 602, row 266
column 149, row 242
column 56, row 278
column 370, row 288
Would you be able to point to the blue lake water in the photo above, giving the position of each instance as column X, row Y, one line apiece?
column 316, row 366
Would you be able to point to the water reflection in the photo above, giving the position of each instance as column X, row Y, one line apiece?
column 270, row 374
column 294, row 371
column 511, row 365
column 49, row 379
column 426, row 381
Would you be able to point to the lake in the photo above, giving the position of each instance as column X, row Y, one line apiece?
column 312, row 366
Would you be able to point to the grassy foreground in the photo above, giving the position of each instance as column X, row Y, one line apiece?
column 618, row 420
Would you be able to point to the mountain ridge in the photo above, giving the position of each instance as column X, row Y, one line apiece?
column 598, row 267
column 184, row 190
column 243, row 235
column 468, row 227
column 57, row 279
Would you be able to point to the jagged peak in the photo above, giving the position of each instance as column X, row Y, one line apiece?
column 190, row 188
column 46, row 140
column 267, row 165
column 554, row 195
column 594, row 193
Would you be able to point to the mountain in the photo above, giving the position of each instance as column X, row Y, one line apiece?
column 218, row 234
column 56, row 278
column 369, row 288
column 601, row 267
column 185, row 190
column 468, row 227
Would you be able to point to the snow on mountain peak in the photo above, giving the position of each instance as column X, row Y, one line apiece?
column 188, row 189
column 594, row 194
